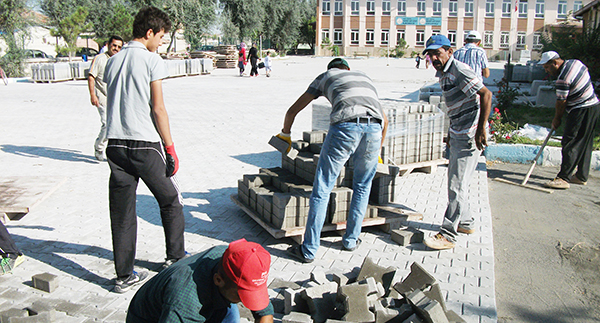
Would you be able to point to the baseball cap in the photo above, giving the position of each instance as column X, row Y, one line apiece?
column 436, row 41
column 473, row 34
column 337, row 61
column 247, row 265
column 548, row 56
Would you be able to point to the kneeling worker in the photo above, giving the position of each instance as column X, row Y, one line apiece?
column 206, row 287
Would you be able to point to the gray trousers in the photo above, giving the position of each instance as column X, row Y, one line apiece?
column 463, row 156
column 101, row 141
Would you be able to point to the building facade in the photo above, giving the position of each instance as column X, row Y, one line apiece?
column 370, row 27
column 590, row 14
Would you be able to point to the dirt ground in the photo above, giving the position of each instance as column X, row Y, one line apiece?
column 547, row 247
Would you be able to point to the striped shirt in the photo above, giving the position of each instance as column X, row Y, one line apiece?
column 351, row 94
column 459, row 87
column 474, row 56
column 574, row 85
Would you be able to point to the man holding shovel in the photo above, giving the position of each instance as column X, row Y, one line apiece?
column 575, row 96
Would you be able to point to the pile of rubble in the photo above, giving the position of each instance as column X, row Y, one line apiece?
column 376, row 294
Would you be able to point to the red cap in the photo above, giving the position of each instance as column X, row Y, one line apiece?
column 247, row 265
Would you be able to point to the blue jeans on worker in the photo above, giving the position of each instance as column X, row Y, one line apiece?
column 233, row 314
column 463, row 157
column 361, row 141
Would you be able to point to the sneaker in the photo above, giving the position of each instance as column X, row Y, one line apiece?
column 7, row 264
column 170, row 262
column 438, row 242
column 124, row 285
column 99, row 155
column 358, row 242
column 295, row 252
column 558, row 183
column 465, row 230
column 576, row 180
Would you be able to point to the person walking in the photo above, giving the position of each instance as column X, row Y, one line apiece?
column 10, row 255
column 357, row 131
column 468, row 116
column 97, row 88
column 418, row 60
column 253, row 57
column 137, row 130
column 473, row 55
column 268, row 64
column 206, row 287
column 575, row 96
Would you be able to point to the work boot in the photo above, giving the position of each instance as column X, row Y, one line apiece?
column 465, row 230
column 576, row 180
column 557, row 183
column 438, row 242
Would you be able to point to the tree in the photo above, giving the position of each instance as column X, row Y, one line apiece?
column 69, row 29
column 13, row 21
column 308, row 34
column 246, row 15
column 282, row 24
column 112, row 18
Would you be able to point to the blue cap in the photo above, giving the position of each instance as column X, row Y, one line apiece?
column 436, row 41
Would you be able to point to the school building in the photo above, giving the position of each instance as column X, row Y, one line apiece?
column 370, row 27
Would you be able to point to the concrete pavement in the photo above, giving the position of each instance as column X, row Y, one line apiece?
column 221, row 124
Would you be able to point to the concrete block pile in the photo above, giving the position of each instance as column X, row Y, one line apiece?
column 280, row 195
column 371, row 293
column 415, row 130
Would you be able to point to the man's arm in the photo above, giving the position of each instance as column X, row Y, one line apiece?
column 91, row 87
column 485, row 72
column 385, row 128
column 291, row 113
column 485, row 107
column 160, row 113
column 561, row 105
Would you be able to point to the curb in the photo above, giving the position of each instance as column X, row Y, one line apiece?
column 523, row 154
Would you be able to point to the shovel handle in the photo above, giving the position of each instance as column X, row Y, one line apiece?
column 537, row 156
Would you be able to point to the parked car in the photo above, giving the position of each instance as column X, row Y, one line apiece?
column 36, row 53
column 88, row 52
column 206, row 48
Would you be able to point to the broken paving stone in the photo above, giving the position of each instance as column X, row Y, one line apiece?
column 418, row 279
column 356, row 303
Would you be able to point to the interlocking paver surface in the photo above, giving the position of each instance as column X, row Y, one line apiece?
column 221, row 124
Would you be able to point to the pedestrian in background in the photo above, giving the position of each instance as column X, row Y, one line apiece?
column 473, row 55
column 575, row 96
column 253, row 57
column 268, row 64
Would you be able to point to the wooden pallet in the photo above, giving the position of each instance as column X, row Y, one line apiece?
column 390, row 217
column 428, row 167
column 18, row 194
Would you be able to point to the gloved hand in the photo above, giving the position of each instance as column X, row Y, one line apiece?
column 380, row 160
column 287, row 138
column 172, row 160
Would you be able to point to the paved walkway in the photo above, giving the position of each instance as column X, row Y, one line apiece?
column 221, row 124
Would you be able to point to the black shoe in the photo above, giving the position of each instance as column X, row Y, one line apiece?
column 169, row 262
column 297, row 253
column 358, row 242
column 124, row 285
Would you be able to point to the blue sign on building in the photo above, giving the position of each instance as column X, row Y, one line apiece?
column 419, row 21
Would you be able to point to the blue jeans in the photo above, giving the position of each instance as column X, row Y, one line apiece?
column 233, row 314
column 361, row 141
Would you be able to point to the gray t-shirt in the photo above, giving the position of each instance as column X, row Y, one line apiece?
column 351, row 94
column 128, row 75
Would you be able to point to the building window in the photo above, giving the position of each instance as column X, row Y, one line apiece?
column 385, row 36
column 420, row 38
column 562, row 9
column 577, row 5
column 521, row 40
column 523, row 9
column 468, row 8
column 437, row 8
column 324, row 35
column 402, row 8
column 421, row 8
column 370, row 7
column 489, row 8
column 537, row 41
column 386, row 8
column 370, row 36
column 338, row 8
column 354, row 36
column 488, row 39
column 400, row 34
column 337, row 36
column 326, row 8
column 453, row 8
column 355, row 8
column 452, row 37
column 539, row 8
column 504, row 38
column 506, row 8
column 436, row 32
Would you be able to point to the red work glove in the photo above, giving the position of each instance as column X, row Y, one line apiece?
column 172, row 160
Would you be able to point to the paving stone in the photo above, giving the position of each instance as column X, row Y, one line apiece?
column 435, row 293
column 340, row 279
column 46, row 282
column 319, row 277
column 293, row 301
column 282, row 146
column 321, row 301
column 418, row 278
column 413, row 319
column 407, row 236
column 427, row 308
column 280, row 283
column 355, row 303
column 392, row 315
column 297, row 317
column 6, row 315
column 383, row 275
column 43, row 317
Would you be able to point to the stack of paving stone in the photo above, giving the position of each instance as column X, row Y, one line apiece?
column 368, row 294
column 280, row 195
column 227, row 56
column 415, row 130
